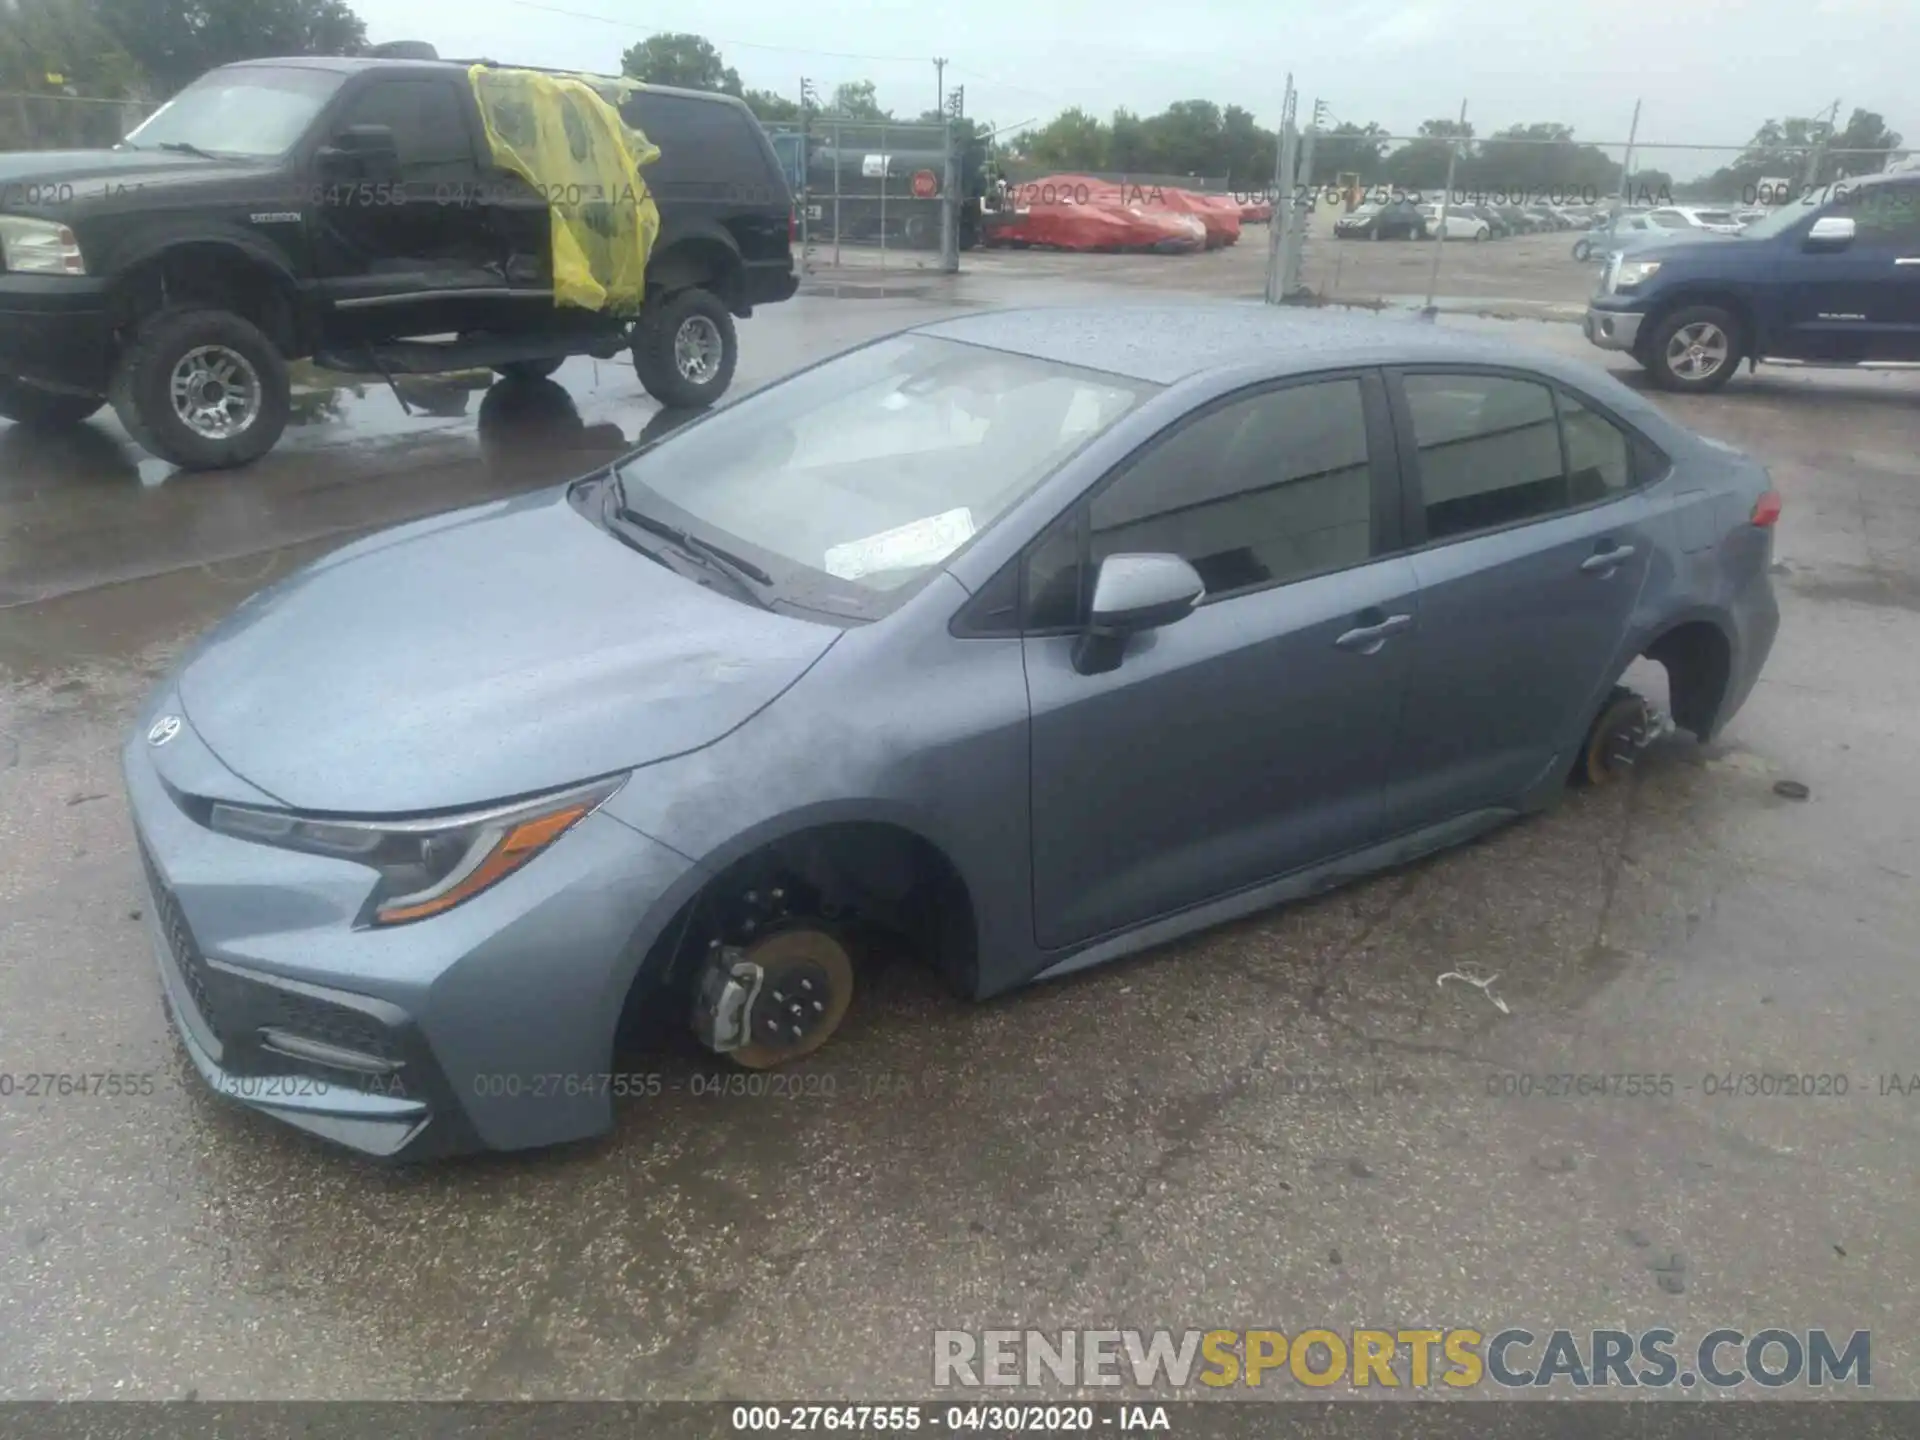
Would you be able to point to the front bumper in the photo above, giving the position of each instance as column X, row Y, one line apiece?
column 55, row 331
column 488, row 1027
column 1612, row 329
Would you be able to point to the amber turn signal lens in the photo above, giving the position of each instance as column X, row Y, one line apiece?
column 509, row 853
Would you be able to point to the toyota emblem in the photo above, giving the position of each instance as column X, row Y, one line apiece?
column 164, row 729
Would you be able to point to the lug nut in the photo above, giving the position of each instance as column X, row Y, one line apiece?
column 753, row 897
column 796, row 1032
column 779, row 894
column 818, row 1007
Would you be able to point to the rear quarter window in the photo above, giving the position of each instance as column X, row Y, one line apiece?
column 707, row 147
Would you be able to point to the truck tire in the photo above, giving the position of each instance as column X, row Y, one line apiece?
column 202, row 389
column 1694, row 350
column 27, row 404
column 685, row 348
column 528, row 369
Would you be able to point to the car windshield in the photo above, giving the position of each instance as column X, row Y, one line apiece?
column 869, row 471
column 256, row 111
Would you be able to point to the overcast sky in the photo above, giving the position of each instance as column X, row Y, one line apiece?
column 1709, row 71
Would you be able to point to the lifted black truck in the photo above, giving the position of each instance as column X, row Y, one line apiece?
column 349, row 210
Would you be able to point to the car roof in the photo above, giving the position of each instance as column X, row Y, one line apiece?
column 1163, row 344
column 353, row 64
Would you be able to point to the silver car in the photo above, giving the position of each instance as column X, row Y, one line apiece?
column 1033, row 639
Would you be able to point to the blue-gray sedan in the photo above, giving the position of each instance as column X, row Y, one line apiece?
column 1035, row 638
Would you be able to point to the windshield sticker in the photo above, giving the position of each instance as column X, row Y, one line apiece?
column 920, row 542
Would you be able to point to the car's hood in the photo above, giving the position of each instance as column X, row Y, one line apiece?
column 64, row 174
column 483, row 655
column 1659, row 247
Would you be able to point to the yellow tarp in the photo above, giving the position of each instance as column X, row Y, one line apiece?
column 562, row 137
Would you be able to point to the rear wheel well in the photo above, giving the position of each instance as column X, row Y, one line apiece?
column 1698, row 661
column 699, row 261
column 876, row 879
column 213, row 276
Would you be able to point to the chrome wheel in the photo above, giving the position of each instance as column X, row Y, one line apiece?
column 697, row 349
column 216, row 392
column 1697, row 351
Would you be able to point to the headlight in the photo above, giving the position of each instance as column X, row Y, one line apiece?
column 426, row 866
column 1632, row 272
column 39, row 247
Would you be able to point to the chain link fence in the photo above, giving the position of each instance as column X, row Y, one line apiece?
column 877, row 195
column 43, row 121
column 1516, row 226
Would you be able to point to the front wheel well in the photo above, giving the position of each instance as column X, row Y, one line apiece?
column 874, row 878
column 1741, row 312
column 210, row 275
column 1699, row 662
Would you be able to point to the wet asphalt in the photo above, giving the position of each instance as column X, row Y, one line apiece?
column 1287, row 1122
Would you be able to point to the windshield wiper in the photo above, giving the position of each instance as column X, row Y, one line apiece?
column 181, row 147
column 737, row 568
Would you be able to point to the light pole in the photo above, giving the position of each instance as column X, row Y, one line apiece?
column 940, row 82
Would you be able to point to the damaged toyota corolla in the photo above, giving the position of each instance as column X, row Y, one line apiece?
column 1032, row 638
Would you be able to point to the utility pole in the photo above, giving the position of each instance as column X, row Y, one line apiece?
column 940, row 82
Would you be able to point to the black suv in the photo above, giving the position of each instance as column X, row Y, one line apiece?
column 350, row 210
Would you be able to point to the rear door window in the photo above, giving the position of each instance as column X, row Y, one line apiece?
column 1488, row 451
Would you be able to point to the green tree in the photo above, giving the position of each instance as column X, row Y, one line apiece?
column 175, row 41
column 1422, row 162
column 1865, row 132
column 1072, row 140
column 1543, row 160
column 854, row 100
column 44, row 39
column 677, row 58
column 770, row 107
column 1347, row 149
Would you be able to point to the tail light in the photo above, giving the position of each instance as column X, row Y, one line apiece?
column 1766, row 509
column 793, row 223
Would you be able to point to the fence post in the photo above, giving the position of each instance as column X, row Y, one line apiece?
column 886, row 173
column 1440, row 236
column 1625, row 197
column 950, row 201
column 1303, row 216
column 839, row 158
column 1278, row 223
column 1817, row 152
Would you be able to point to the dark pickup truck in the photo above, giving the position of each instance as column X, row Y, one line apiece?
column 1830, row 278
column 350, row 210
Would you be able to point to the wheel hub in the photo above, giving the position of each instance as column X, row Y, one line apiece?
column 793, row 1004
column 697, row 349
column 216, row 392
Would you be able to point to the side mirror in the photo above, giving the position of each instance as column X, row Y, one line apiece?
column 1131, row 594
column 363, row 149
column 1830, row 232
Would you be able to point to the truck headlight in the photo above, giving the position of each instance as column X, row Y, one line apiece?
column 1632, row 272
column 431, row 865
column 39, row 247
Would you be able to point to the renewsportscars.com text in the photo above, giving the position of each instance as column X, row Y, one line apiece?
column 1416, row 1359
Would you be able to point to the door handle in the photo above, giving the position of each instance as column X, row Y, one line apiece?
column 1607, row 561
column 1368, row 639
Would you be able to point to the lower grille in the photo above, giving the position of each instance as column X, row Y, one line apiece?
column 330, row 1024
column 180, row 942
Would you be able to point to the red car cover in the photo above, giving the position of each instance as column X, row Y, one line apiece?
column 1079, row 212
